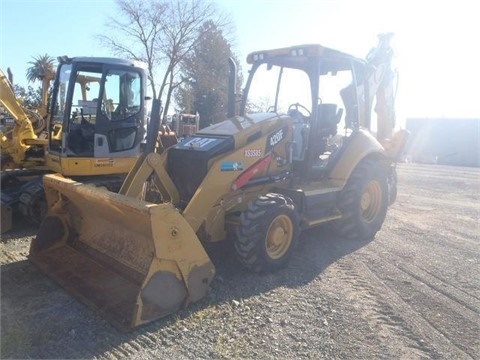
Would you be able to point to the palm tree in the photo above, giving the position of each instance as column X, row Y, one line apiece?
column 43, row 69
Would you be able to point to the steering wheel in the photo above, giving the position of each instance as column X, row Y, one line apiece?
column 295, row 109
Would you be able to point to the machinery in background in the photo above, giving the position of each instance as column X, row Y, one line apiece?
column 92, row 131
column 185, row 124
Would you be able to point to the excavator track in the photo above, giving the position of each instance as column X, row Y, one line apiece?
column 23, row 192
column 13, row 181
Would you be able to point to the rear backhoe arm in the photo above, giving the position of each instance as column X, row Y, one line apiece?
column 382, row 87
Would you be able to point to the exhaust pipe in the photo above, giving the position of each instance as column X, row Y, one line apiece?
column 232, row 86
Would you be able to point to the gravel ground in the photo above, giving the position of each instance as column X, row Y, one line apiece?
column 411, row 293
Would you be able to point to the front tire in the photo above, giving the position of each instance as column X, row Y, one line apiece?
column 363, row 202
column 267, row 234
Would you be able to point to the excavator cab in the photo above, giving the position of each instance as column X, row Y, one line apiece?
column 91, row 129
column 97, row 116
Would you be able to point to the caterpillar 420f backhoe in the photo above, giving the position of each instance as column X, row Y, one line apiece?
column 299, row 154
column 92, row 131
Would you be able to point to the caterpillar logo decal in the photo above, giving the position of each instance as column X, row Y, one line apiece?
column 275, row 138
column 198, row 143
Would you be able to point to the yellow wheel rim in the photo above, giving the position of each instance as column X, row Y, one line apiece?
column 371, row 201
column 279, row 236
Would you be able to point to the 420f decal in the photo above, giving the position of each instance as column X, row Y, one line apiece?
column 275, row 138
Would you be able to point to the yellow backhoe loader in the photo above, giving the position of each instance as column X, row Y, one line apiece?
column 92, row 132
column 306, row 157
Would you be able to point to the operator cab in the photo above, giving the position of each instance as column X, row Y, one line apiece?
column 98, row 108
column 313, row 85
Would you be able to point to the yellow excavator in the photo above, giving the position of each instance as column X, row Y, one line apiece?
column 92, row 131
column 307, row 156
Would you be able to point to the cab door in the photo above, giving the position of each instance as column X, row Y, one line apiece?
column 119, row 127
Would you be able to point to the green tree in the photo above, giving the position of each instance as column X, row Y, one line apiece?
column 42, row 66
column 206, row 74
column 43, row 69
column 31, row 97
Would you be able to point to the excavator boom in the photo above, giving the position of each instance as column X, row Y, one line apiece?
column 15, row 142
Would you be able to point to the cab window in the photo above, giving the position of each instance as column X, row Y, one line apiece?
column 122, row 96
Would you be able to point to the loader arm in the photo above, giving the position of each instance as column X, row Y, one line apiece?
column 150, row 167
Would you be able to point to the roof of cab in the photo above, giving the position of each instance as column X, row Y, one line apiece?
column 108, row 60
column 299, row 56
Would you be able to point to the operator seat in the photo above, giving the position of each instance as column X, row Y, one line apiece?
column 349, row 100
column 301, row 129
column 166, row 138
column 329, row 117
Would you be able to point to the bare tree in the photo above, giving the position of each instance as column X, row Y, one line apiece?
column 136, row 33
column 161, row 33
column 182, row 23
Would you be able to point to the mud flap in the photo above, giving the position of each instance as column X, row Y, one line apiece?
column 131, row 260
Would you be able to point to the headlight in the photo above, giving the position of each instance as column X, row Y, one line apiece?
column 257, row 57
column 297, row 52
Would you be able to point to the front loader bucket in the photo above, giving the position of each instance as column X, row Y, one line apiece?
column 131, row 260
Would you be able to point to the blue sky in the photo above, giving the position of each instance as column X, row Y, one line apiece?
column 436, row 41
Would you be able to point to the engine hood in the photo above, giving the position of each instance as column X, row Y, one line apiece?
column 239, row 123
column 245, row 129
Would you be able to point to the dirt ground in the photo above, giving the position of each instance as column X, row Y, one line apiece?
column 411, row 293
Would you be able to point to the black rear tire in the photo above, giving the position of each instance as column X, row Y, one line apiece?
column 268, row 233
column 363, row 202
column 392, row 186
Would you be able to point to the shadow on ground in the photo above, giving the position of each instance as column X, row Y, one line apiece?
column 40, row 320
